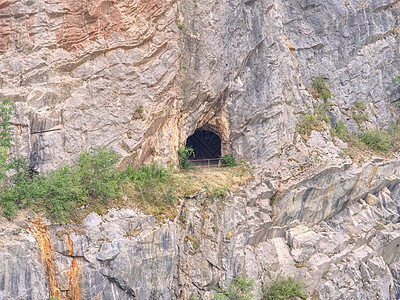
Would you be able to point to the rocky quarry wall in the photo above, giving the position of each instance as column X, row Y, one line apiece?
column 140, row 77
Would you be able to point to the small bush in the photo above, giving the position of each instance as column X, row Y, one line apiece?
column 308, row 123
column 319, row 85
column 138, row 114
column 283, row 288
column 150, row 184
column 377, row 140
column 96, row 168
column 58, row 192
column 359, row 105
column 6, row 108
column 341, row 131
column 227, row 160
column 184, row 154
column 360, row 116
column 61, row 191
column 397, row 79
column 239, row 289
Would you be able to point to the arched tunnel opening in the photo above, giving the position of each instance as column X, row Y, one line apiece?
column 206, row 144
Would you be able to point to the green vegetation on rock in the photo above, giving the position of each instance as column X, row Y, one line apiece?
column 320, row 88
column 61, row 191
column 94, row 183
column 377, row 140
column 5, row 135
column 243, row 288
column 360, row 116
column 284, row 288
column 341, row 131
column 227, row 160
column 318, row 118
column 397, row 79
column 310, row 122
column 184, row 153
column 239, row 289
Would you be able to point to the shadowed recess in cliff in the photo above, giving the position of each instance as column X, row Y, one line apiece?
column 206, row 144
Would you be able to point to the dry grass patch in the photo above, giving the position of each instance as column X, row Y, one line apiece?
column 161, row 197
column 212, row 180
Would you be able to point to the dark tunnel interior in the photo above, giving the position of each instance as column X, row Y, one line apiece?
column 206, row 144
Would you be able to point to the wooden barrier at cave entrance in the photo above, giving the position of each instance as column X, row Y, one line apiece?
column 206, row 163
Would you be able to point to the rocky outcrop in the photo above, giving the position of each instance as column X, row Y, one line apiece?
column 78, row 72
column 140, row 77
column 351, row 254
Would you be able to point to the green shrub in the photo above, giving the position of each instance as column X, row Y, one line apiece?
column 283, row 288
column 308, row 123
column 239, row 289
column 359, row 105
column 59, row 192
column 377, row 140
column 6, row 108
column 138, row 114
column 96, row 167
column 397, row 79
column 341, row 131
column 321, row 110
column 319, row 84
column 56, row 192
column 150, row 183
column 360, row 119
column 360, row 116
column 227, row 160
column 93, row 180
column 184, row 153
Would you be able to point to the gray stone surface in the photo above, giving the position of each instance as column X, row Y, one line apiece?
column 242, row 69
column 141, row 76
column 351, row 254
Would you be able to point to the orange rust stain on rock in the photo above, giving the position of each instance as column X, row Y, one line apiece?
column 291, row 48
column 5, row 3
column 12, row 31
column 5, row 32
column 87, row 21
column 74, row 271
column 39, row 231
column 149, row 7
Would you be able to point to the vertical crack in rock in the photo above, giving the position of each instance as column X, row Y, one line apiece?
column 73, row 292
column 291, row 48
column 39, row 231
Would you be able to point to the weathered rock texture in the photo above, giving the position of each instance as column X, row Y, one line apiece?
column 79, row 70
column 352, row 254
column 141, row 76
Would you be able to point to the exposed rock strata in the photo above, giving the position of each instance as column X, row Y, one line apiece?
column 127, row 255
column 80, row 70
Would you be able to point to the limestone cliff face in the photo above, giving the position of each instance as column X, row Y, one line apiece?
column 79, row 72
column 140, row 77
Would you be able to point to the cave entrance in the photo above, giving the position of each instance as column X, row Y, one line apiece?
column 207, row 147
